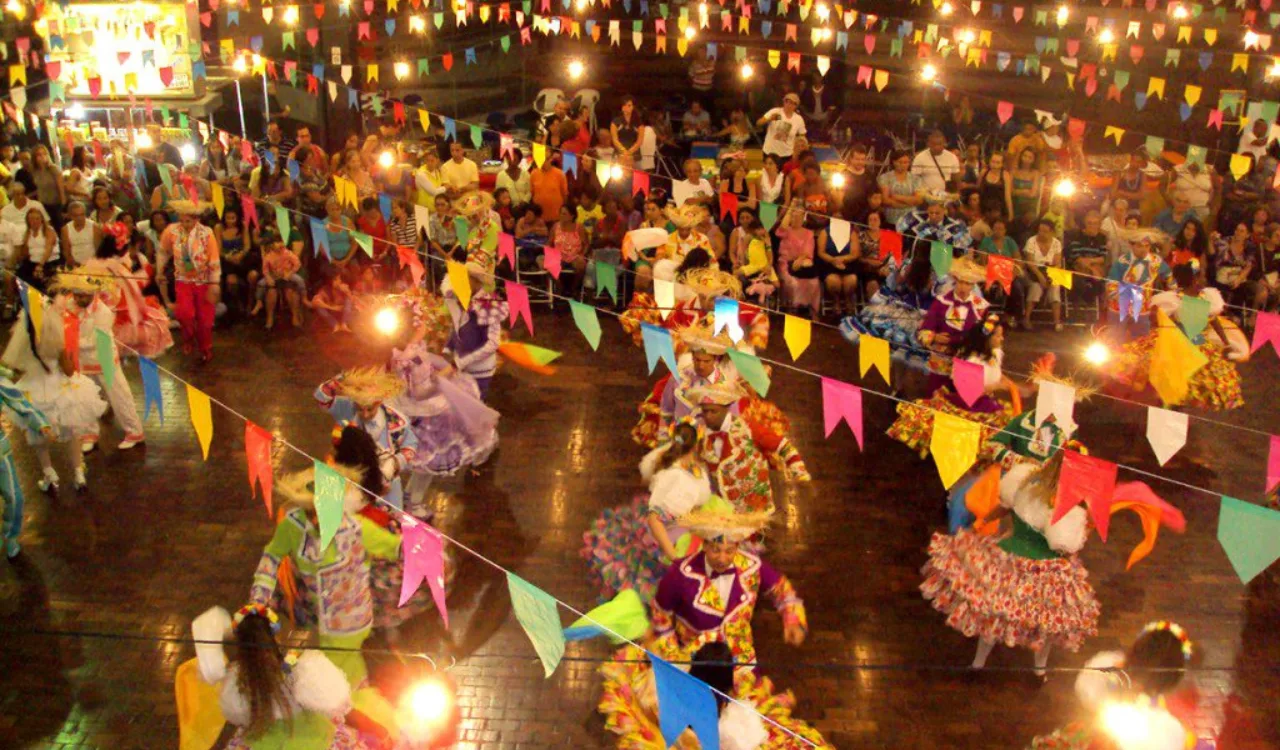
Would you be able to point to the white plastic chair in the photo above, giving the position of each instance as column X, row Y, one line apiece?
column 588, row 98
column 545, row 102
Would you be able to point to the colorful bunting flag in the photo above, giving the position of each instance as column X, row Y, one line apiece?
column 1250, row 535
column 537, row 614
column 423, row 553
column 954, row 446
column 1166, row 432
column 797, row 333
column 257, row 453
column 329, row 489
column 1086, row 479
column 201, row 418
column 588, row 322
column 873, row 352
column 841, row 402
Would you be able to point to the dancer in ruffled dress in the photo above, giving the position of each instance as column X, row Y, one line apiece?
column 275, row 698
column 141, row 322
column 1216, row 384
column 69, row 401
column 30, row 418
column 631, row 547
column 1026, row 586
column 477, row 332
column 710, row 597
column 482, row 235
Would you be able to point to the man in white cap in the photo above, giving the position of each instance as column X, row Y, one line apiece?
column 784, row 125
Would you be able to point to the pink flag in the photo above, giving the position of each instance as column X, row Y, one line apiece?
column 246, row 150
column 518, row 305
column 968, row 378
column 640, row 183
column 249, row 209
column 506, row 145
column 1073, row 47
column 1017, row 14
column 257, row 452
column 842, row 401
column 1266, row 330
column 551, row 261
column 166, row 75
column 507, row 249
column 1089, row 480
column 1004, row 110
column 1273, row 464
column 423, row 560
column 313, row 36
column 409, row 257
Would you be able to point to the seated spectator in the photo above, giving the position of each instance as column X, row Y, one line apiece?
column 693, row 188
column 1235, row 265
column 333, row 304
column 933, row 224
column 838, row 268
column 1170, row 220
column 1087, row 252
column 971, row 212
column 280, row 272
column 606, row 240
column 443, row 234
column 570, row 239
column 1195, row 184
column 759, row 279
column 696, row 122
column 460, row 174
column 588, row 214
column 502, row 205
column 1190, row 243
column 549, row 187
column 873, row 266
column 514, row 178
column 1042, row 252
column 737, row 131
column 371, row 222
column 797, row 269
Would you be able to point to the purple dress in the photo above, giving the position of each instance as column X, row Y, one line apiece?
column 953, row 317
column 453, row 426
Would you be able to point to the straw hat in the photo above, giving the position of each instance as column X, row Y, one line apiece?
column 190, row 208
column 687, row 216
column 724, row 393
column 368, row 386
column 716, row 520
column 84, row 283
column 940, row 197
column 699, row 338
column 298, row 489
column 1154, row 236
column 965, row 269
column 473, row 203
column 712, row 282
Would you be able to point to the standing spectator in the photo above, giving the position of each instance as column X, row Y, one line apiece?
column 460, row 174
column 784, row 125
column 1130, row 182
column 693, row 188
column 858, row 183
column 696, row 123
column 197, row 272
column 627, row 129
column 1029, row 138
column 1025, row 187
column 314, row 156
column 313, row 185
column 702, row 70
column 970, row 167
column 995, row 185
column 515, row 178
column 549, row 187
column 428, row 178
column 51, row 189
column 1255, row 141
column 737, row 130
column 901, row 188
column 1042, row 251
column 936, row 167
column 79, row 180
column 215, row 166
column 816, row 104
column 275, row 139
column 649, row 142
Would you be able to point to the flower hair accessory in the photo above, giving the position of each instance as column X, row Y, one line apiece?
column 691, row 422
column 989, row 324
column 1176, row 630
column 119, row 232
column 260, row 610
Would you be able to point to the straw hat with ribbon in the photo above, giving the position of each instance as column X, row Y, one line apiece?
column 190, row 208
column 687, row 216
column 724, row 393
column 712, row 282
column 473, row 203
column 368, row 386
column 699, row 337
column 75, row 282
column 965, row 269
column 717, row 521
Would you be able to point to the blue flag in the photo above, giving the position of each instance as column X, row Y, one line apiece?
column 685, row 702
column 384, row 205
column 320, row 238
column 658, row 346
column 450, row 128
column 150, row 388
column 571, row 163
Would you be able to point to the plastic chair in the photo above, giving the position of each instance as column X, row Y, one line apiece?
column 589, row 98
column 545, row 102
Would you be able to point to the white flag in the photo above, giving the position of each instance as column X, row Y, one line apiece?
column 840, row 233
column 664, row 293
column 1166, row 431
column 1056, row 400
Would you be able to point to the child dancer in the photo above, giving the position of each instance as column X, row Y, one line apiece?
column 12, row 398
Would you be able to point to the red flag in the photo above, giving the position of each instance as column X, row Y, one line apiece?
column 1075, row 128
column 398, row 112
column 319, row 9
column 640, row 182
column 1088, row 480
column 71, row 338
column 409, row 257
column 891, row 242
column 518, row 305
column 447, row 60
column 1000, row 268
column 166, row 75
column 1004, row 110
column 729, row 205
column 257, row 452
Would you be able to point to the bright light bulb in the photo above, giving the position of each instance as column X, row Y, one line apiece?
column 965, row 36
column 143, row 140
column 929, row 73
column 291, row 15
column 1274, row 70
column 747, row 71
column 16, row 8
column 417, row 24
column 690, row 32
column 426, row 709
column 576, row 69
column 239, row 65
column 75, row 111
column 1126, row 723
column 401, row 70
column 1097, row 353
column 188, row 152
column 386, row 321
column 825, row 35
column 1064, row 189
column 615, row 172
column 581, row 5
column 824, row 12
column 1250, row 39
column 1063, row 13
column 1106, row 36
column 257, row 61
column 386, row 159
column 1180, row 12
column 946, row 9
column 837, row 180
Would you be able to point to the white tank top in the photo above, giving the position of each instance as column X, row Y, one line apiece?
column 36, row 247
column 82, row 246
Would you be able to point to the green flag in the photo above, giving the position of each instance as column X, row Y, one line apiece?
column 330, row 486
column 536, row 611
column 751, row 370
column 607, row 279
column 768, row 214
column 587, row 321
column 106, row 355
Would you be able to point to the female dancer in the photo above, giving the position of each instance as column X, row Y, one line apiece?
column 70, row 401
column 1215, row 385
column 275, row 698
column 142, row 324
column 632, row 546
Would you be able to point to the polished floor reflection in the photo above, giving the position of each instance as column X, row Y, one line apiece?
column 161, row 535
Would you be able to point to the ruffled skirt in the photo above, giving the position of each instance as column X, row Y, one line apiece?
column 988, row 593
column 914, row 425
column 628, row 706
column 73, row 405
column 622, row 553
column 151, row 337
column 1216, row 386
column 444, row 448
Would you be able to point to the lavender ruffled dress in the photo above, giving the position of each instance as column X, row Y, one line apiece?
column 453, row 426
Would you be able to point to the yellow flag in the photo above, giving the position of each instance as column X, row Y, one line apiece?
column 744, row 25
column 873, row 352
column 1240, row 62
column 539, row 153
column 371, row 73
column 131, row 82
column 1155, row 87
column 775, row 57
column 219, row 202
column 682, row 46
column 1184, row 34
column 393, row 5
column 796, row 331
column 1109, row 52
column 973, row 58
column 1060, row 277
column 954, row 445
column 984, row 39
column 1071, row 80
column 201, row 417
column 1211, row 36
column 460, row 282
column 1113, row 132
column 1191, row 94
column 17, row 75
column 35, row 310
column 882, row 80
column 1174, row 360
column 424, row 117
column 1240, row 164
